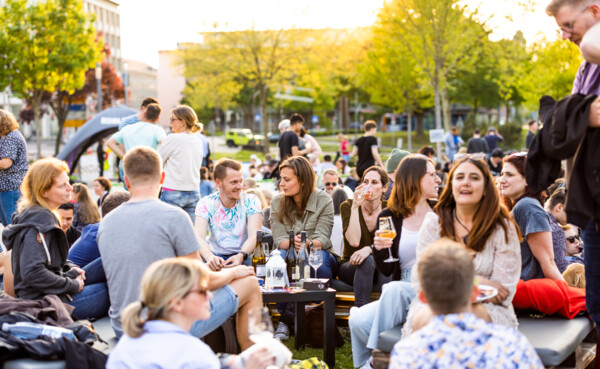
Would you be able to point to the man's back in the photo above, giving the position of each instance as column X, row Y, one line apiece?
column 131, row 238
column 287, row 140
column 477, row 144
column 492, row 142
column 140, row 134
column 464, row 341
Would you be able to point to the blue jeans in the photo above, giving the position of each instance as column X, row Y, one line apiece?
column 247, row 261
column 368, row 321
column 591, row 259
column 92, row 302
column 8, row 205
column 186, row 200
column 223, row 304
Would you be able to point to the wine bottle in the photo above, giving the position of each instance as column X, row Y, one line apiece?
column 303, row 266
column 292, row 260
column 258, row 257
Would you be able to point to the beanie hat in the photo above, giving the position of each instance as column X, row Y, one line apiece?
column 394, row 160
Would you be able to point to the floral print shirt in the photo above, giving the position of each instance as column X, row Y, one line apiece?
column 228, row 227
column 464, row 341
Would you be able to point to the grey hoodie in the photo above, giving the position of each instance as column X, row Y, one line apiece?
column 39, row 271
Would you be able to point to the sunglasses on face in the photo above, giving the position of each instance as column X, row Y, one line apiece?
column 475, row 156
column 573, row 238
column 328, row 184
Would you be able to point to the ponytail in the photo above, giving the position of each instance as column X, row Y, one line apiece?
column 133, row 324
column 197, row 127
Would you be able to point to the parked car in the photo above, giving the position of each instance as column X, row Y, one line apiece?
column 273, row 137
column 243, row 137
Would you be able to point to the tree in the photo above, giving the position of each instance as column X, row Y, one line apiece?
column 217, row 69
column 438, row 35
column 56, row 45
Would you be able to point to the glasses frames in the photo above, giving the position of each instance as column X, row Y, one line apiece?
column 573, row 238
column 568, row 27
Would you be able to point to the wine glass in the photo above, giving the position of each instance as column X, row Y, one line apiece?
column 260, row 326
column 386, row 226
column 315, row 259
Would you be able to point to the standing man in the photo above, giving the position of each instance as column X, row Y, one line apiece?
column 453, row 142
column 575, row 18
column 533, row 128
column 288, row 141
column 232, row 216
column 135, row 118
column 144, row 230
column 367, row 150
column 492, row 138
column 477, row 144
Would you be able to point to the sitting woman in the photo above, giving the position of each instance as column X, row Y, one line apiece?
column 302, row 207
column 416, row 182
column 173, row 296
column 359, row 220
column 537, row 255
column 86, row 211
column 39, row 246
column 470, row 212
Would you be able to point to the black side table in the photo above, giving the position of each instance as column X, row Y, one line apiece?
column 300, row 299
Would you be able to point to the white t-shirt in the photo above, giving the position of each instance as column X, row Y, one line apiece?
column 407, row 248
column 182, row 155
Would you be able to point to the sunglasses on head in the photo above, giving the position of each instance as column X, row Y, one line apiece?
column 475, row 156
column 519, row 154
column 573, row 238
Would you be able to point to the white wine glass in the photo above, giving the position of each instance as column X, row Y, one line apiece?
column 387, row 230
column 260, row 326
column 315, row 258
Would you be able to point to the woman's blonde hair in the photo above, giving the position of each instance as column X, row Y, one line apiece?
column 88, row 209
column 8, row 122
column 258, row 193
column 163, row 283
column 39, row 179
column 188, row 116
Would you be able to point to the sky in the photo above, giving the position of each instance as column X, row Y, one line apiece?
column 149, row 26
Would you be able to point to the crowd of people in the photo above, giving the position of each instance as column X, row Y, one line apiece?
column 169, row 259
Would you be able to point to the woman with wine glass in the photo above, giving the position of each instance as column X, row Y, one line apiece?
column 359, row 222
column 470, row 212
column 416, row 183
column 173, row 296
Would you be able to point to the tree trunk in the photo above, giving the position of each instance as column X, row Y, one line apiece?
column 61, row 110
column 420, row 130
column 438, row 115
column 263, row 113
column 35, row 104
column 446, row 109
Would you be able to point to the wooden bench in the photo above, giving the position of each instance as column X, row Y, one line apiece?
column 559, row 342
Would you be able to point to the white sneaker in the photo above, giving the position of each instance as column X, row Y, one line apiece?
column 283, row 332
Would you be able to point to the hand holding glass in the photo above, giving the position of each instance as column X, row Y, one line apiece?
column 260, row 326
column 386, row 226
column 315, row 258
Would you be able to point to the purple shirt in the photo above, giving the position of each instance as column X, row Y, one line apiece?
column 587, row 80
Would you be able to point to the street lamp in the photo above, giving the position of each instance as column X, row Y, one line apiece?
column 125, row 82
column 99, row 86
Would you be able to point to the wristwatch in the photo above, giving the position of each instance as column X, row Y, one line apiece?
column 244, row 254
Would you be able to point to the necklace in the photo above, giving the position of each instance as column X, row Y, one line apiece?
column 373, row 210
column 465, row 238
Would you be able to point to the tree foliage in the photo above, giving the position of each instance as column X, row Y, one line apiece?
column 46, row 46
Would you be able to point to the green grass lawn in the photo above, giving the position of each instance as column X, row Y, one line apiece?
column 343, row 355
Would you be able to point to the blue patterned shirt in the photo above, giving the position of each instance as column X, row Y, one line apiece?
column 464, row 341
column 228, row 227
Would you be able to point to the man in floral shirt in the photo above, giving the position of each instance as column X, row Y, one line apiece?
column 455, row 337
column 232, row 216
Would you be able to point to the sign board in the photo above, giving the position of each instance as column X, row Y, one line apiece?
column 257, row 117
column 315, row 119
column 436, row 135
column 76, row 116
